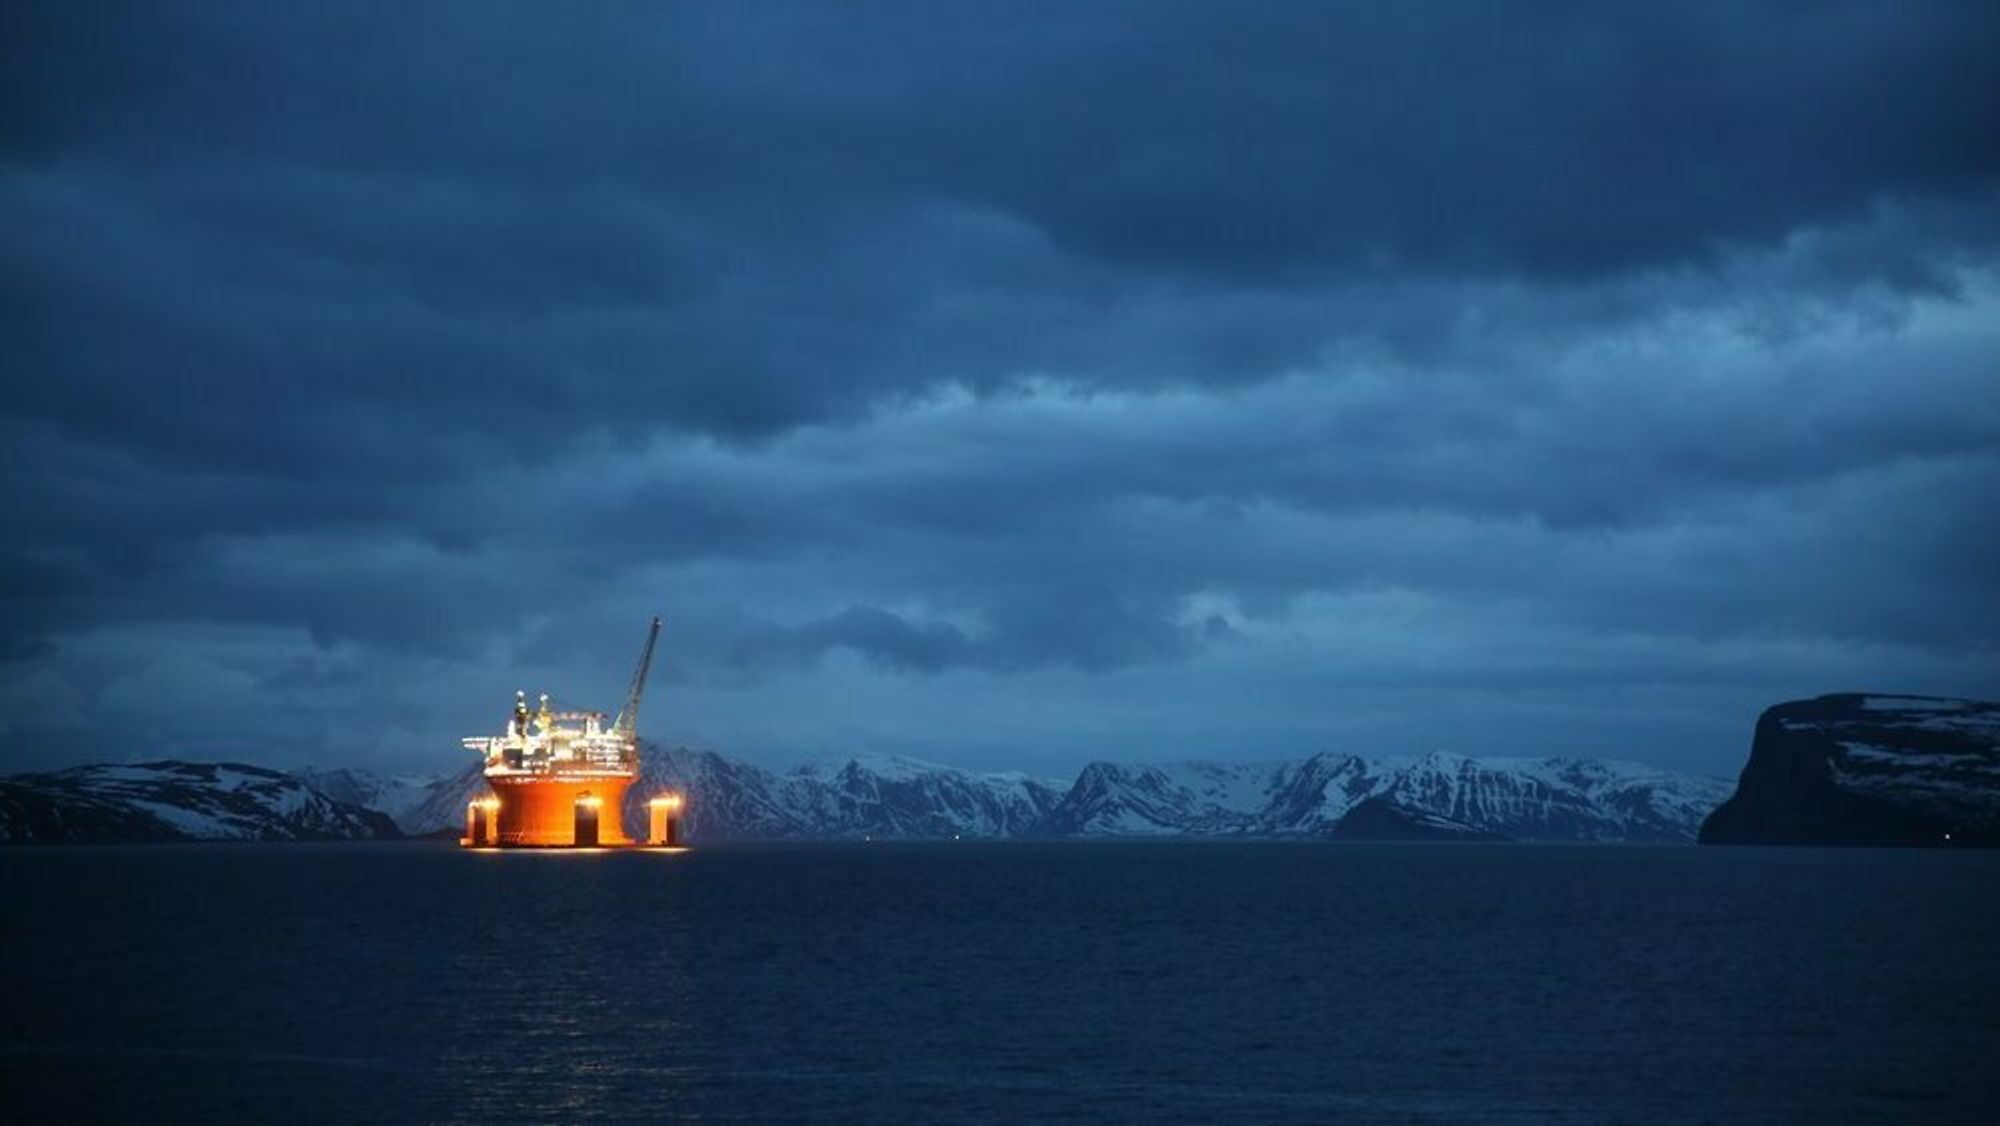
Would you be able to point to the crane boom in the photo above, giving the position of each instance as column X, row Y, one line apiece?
column 627, row 724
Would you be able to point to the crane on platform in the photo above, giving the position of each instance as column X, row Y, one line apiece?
column 627, row 724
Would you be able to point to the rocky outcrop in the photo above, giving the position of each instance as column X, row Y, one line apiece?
column 1868, row 770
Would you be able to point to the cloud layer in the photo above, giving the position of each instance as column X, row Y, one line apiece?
column 1005, row 389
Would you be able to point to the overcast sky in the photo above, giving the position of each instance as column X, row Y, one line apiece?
column 1008, row 385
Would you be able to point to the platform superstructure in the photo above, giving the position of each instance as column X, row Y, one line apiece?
column 559, row 777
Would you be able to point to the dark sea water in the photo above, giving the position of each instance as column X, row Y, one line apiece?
column 917, row 983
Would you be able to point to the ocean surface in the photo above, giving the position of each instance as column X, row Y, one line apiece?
column 1069, row 982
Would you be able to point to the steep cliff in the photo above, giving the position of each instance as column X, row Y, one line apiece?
column 1868, row 770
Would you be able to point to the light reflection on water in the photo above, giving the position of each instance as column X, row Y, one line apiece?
column 1267, row 983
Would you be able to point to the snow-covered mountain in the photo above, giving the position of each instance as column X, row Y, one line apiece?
column 857, row 796
column 176, row 801
column 435, row 802
column 1553, row 798
column 1172, row 799
column 889, row 797
column 1855, row 769
column 400, row 796
column 1348, row 796
column 1325, row 795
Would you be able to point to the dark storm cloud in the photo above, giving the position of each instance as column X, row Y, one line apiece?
column 1561, row 138
column 891, row 343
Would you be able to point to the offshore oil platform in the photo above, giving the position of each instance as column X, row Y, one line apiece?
column 559, row 778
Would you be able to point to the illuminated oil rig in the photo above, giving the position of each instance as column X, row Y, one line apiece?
column 559, row 778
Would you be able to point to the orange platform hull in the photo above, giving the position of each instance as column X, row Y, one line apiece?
column 541, row 812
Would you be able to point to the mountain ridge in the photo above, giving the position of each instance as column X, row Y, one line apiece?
column 169, row 800
column 864, row 796
column 851, row 797
column 1847, row 768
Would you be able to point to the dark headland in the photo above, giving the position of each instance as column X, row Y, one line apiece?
column 1854, row 769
